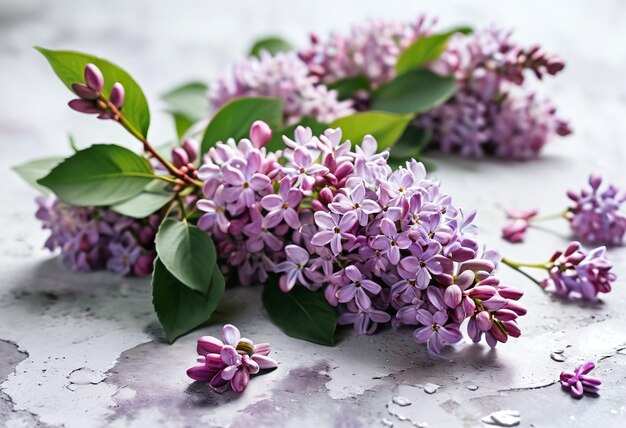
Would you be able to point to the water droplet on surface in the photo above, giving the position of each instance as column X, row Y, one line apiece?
column 559, row 358
column 558, row 351
column 431, row 388
column 421, row 424
column 387, row 422
column 472, row 387
column 401, row 401
column 503, row 418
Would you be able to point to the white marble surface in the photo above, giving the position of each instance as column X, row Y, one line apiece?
column 86, row 350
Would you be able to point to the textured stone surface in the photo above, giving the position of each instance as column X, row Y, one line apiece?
column 86, row 350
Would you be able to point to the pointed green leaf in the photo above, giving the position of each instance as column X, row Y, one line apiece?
column 179, row 308
column 234, row 119
column 301, row 313
column 426, row 49
column 272, row 45
column 36, row 169
column 70, row 67
column 154, row 197
column 188, row 253
column 415, row 91
column 410, row 145
column 386, row 128
column 103, row 174
column 347, row 87
column 187, row 103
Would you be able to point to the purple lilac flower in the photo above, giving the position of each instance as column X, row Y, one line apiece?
column 384, row 245
column 598, row 216
column 579, row 381
column 284, row 76
column 230, row 361
column 575, row 271
column 492, row 112
column 370, row 49
column 92, row 239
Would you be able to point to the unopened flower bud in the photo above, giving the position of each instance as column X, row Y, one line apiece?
column 84, row 92
column 260, row 134
column 94, row 78
column 179, row 157
column 483, row 321
column 191, row 147
column 84, row 106
column 117, row 95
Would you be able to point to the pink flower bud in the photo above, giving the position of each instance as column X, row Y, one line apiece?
column 94, row 78
column 483, row 321
column 84, row 92
column 84, row 106
column 117, row 95
column 192, row 147
column 260, row 134
column 179, row 157
column 452, row 296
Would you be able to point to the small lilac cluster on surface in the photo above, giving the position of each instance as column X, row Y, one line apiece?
column 92, row 239
column 575, row 271
column 579, row 381
column 598, row 216
column 230, row 361
column 371, row 49
column 90, row 97
column 515, row 229
column 284, row 76
column 384, row 245
column 492, row 111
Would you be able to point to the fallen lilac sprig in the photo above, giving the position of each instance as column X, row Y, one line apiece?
column 230, row 361
column 579, row 381
column 573, row 272
column 598, row 216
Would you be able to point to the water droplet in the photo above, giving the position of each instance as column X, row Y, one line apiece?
column 401, row 401
column 472, row 387
column 387, row 422
column 559, row 358
column 503, row 418
column 421, row 424
column 558, row 351
column 431, row 388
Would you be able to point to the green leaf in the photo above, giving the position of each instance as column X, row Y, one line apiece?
column 150, row 200
column 36, row 169
column 70, row 67
column 234, row 119
column 347, row 87
column 410, row 145
column 426, row 49
column 385, row 127
column 179, row 308
column 301, row 313
column 415, row 91
column 188, row 253
column 103, row 174
column 271, row 44
column 187, row 103
column 276, row 143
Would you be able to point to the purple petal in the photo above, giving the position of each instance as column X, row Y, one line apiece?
column 230, row 335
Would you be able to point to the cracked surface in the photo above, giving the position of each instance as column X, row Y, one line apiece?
column 86, row 350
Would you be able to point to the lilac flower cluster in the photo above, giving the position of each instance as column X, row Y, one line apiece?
column 577, row 272
column 92, row 239
column 284, row 76
column 598, row 216
column 383, row 244
column 230, row 361
column 371, row 49
column 579, row 381
column 492, row 111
